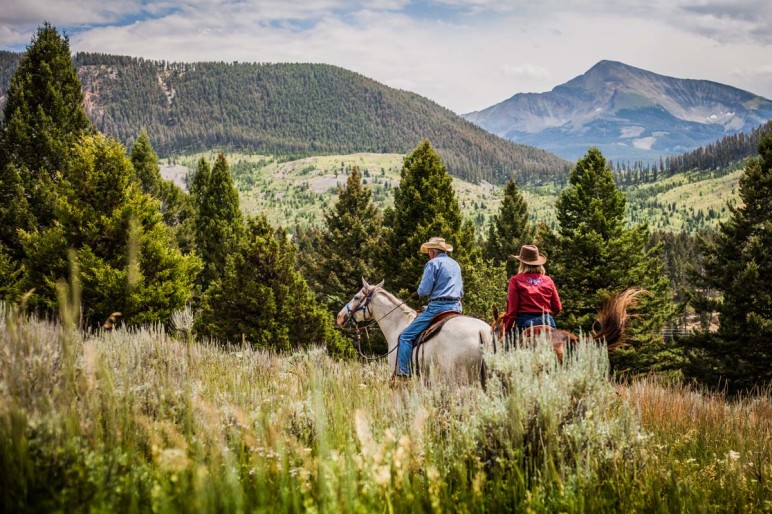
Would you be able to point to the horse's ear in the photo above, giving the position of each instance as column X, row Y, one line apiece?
column 495, row 313
column 365, row 284
column 380, row 284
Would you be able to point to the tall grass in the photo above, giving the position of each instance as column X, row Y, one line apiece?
column 136, row 420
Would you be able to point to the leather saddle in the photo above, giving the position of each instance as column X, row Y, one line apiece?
column 434, row 327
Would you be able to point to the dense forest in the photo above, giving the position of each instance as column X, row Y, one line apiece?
column 286, row 109
column 724, row 155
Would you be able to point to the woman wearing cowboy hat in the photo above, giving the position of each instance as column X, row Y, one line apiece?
column 442, row 283
column 532, row 298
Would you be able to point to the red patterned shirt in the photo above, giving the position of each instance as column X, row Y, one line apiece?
column 530, row 293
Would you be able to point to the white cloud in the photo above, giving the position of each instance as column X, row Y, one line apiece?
column 66, row 12
column 473, row 54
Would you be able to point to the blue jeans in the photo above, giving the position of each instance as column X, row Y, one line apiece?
column 409, row 335
column 528, row 319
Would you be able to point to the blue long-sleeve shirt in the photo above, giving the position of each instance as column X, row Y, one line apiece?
column 441, row 279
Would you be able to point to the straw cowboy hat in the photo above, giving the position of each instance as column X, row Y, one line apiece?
column 436, row 243
column 530, row 255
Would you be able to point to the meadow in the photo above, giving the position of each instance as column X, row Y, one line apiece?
column 146, row 420
column 296, row 192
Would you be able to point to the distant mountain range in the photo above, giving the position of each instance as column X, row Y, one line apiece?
column 627, row 112
column 290, row 110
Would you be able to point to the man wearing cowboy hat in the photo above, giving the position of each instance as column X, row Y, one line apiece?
column 441, row 282
column 532, row 297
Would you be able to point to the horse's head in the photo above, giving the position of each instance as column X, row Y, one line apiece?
column 497, row 327
column 356, row 310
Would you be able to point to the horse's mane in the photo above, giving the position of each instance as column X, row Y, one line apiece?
column 401, row 305
column 612, row 318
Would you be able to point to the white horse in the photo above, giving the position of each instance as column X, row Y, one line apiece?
column 455, row 351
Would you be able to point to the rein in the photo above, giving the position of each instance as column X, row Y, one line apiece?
column 363, row 306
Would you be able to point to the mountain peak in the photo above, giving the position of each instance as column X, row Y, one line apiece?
column 606, row 65
column 608, row 72
column 628, row 112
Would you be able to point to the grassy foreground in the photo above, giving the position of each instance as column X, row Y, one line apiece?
column 135, row 421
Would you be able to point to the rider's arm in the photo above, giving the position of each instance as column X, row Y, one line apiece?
column 427, row 280
column 512, row 304
column 555, row 305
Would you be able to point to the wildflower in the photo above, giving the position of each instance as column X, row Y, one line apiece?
column 733, row 455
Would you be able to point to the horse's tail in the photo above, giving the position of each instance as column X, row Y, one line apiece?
column 612, row 318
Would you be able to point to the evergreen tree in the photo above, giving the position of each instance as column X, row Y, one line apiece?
column 179, row 214
column 10, row 276
column 425, row 205
column 218, row 218
column 738, row 265
column 145, row 162
column 594, row 255
column 261, row 299
column 348, row 248
column 42, row 118
column 509, row 229
column 119, row 242
column 15, row 213
column 199, row 182
column 177, row 207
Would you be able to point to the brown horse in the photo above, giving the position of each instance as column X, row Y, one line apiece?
column 610, row 324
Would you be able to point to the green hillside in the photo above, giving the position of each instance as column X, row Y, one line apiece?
column 287, row 109
column 296, row 192
column 685, row 202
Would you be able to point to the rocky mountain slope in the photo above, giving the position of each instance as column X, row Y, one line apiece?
column 627, row 112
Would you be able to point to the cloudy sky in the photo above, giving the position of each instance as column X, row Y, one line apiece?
column 464, row 54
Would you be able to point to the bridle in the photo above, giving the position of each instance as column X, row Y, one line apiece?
column 363, row 306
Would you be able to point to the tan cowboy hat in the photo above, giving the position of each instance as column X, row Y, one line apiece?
column 530, row 255
column 436, row 243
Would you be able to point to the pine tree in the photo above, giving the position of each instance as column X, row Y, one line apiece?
column 42, row 118
column 10, row 276
column 348, row 248
column 177, row 207
column 218, row 218
column 261, row 299
column 594, row 255
column 125, row 257
column 145, row 162
column 15, row 213
column 425, row 205
column 509, row 229
column 738, row 265
column 199, row 182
